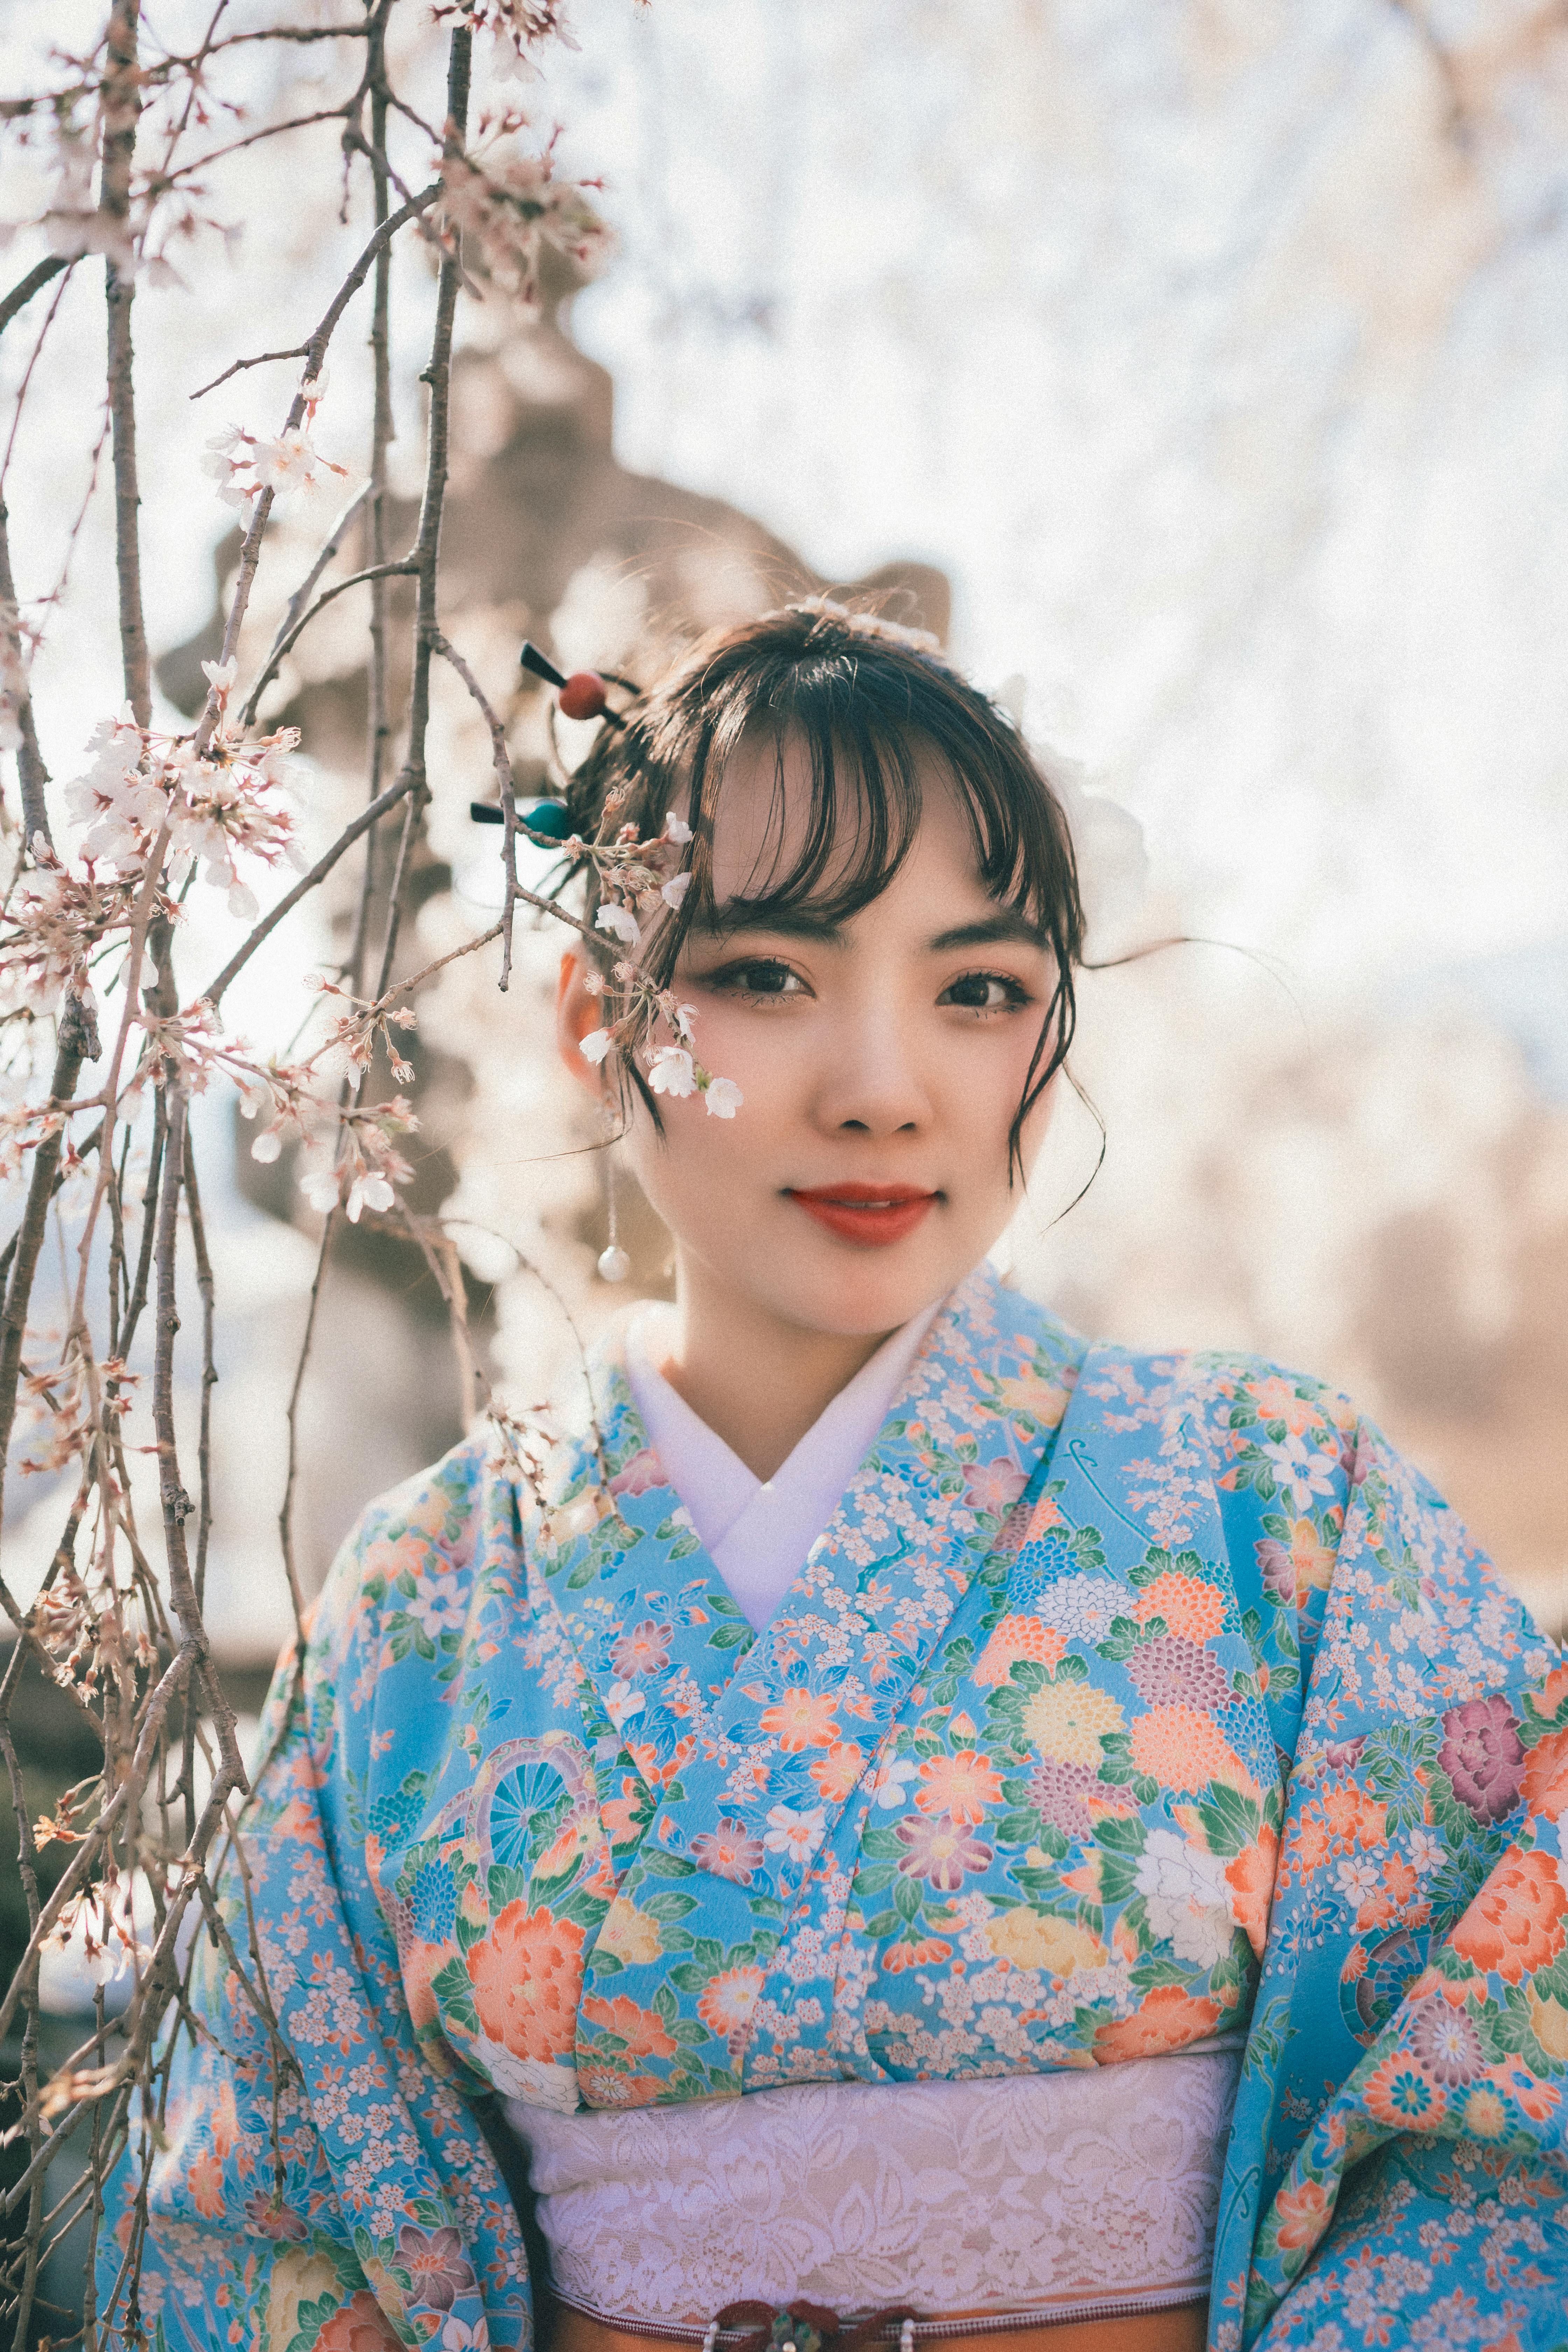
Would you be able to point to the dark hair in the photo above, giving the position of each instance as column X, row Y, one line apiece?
column 862, row 699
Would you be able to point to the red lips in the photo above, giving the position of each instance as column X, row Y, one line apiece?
column 873, row 1214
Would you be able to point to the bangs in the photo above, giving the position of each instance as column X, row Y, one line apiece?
column 867, row 729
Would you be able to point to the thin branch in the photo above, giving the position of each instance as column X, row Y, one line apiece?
column 314, row 347
column 168, row 180
column 502, row 759
column 289, row 637
column 306, row 884
column 69, row 1057
column 25, row 288
column 437, row 375
column 121, row 108
column 30, row 769
column 286, row 1509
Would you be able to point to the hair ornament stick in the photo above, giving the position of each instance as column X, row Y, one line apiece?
column 582, row 695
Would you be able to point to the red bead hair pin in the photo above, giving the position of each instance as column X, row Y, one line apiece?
column 583, row 695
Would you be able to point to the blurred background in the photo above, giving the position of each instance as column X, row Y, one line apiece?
column 1198, row 371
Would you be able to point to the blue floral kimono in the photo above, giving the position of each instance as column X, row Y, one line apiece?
column 1125, row 1700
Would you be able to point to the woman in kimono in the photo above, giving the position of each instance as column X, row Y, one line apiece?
column 913, row 1816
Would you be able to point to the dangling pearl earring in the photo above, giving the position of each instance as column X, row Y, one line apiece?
column 614, row 1264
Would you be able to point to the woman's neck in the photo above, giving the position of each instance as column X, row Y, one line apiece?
column 759, row 1382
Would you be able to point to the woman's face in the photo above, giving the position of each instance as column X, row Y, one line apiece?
column 881, row 1061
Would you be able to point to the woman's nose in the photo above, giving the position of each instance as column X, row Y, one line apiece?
column 871, row 1084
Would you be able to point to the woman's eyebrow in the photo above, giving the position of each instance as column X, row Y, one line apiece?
column 992, row 930
column 758, row 915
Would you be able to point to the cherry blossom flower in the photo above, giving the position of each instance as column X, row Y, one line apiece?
column 676, row 829
column 673, row 891
column 620, row 923
column 244, row 465
column 506, row 202
column 722, row 1097
column 232, row 798
column 595, row 1046
column 671, row 1072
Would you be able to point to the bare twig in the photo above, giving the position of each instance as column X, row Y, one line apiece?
column 290, row 636
column 121, row 107
column 313, row 350
column 30, row 769
column 25, row 288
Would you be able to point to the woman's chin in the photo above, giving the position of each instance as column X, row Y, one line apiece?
column 851, row 1292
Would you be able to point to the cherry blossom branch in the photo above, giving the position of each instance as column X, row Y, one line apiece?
column 502, row 761
column 426, row 553
column 313, row 350
column 31, row 772
column 121, row 108
column 289, row 637
column 308, row 882
column 25, row 288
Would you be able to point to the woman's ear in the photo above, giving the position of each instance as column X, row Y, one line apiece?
column 577, row 1011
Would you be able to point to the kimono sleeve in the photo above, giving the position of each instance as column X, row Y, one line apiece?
column 317, row 2185
column 1398, row 2167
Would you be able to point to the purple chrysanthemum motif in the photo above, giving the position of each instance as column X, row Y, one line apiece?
column 1483, row 1757
column 1447, row 2044
column 1058, row 1791
column 1279, row 1567
column 1171, row 1671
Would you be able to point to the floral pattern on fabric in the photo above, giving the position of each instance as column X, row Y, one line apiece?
column 1125, row 1701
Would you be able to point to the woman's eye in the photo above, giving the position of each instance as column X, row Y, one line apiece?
column 762, row 979
column 984, row 991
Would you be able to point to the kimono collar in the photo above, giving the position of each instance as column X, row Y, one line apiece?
column 757, row 1531
column 761, row 1738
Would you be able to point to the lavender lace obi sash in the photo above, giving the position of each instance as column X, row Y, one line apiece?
column 1054, row 2193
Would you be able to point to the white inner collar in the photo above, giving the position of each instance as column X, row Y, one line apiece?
column 757, row 1531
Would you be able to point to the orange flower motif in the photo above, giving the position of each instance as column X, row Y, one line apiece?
column 359, row 2326
column 1355, row 1818
column 226, row 2121
column 1403, row 2095
column 1274, row 1399
column 1015, row 1638
column 1250, row 1878
column 1400, row 1880
column 1308, row 1846
column 1304, row 2214
column 1538, row 2099
column 642, row 2030
column 606, row 2086
column 527, row 1975
column 836, row 1773
column 623, row 1816
column 1544, row 1702
column 1515, row 1923
column 405, row 1556
column 1546, row 1774
column 803, row 1718
column 1187, row 1605
column 727, row 2000
column 1182, row 1748
column 1168, row 2020
column 1312, row 1560
column 963, row 1785
column 929, row 1953
column 205, row 2182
